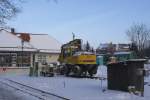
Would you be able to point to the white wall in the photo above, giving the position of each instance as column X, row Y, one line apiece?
column 49, row 58
column 14, row 70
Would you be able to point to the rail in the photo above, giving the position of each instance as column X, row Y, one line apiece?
column 40, row 94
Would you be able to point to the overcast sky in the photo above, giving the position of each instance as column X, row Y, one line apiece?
column 98, row 21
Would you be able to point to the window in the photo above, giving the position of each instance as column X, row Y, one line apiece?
column 42, row 58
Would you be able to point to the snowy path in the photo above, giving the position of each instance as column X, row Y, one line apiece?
column 79, row 88
column 74, row 88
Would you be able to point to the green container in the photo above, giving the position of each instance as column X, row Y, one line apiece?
column 99, row 60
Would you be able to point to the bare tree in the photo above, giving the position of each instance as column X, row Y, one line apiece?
column 139, row 34
column 8, row 9
column 87, row 46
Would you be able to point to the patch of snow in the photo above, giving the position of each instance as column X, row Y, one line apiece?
column 101, row 71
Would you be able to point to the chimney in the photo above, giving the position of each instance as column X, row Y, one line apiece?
column 12, row 30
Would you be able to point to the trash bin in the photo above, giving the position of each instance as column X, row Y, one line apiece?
column 122, row 75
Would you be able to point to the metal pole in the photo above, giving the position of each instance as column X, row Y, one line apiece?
column 73, row 35
column 22, row 42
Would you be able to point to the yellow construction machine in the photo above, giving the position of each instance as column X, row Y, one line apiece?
column 75, row 61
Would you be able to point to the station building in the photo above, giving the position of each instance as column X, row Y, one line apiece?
column 22, row 49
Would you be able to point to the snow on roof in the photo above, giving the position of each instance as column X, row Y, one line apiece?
column 83, row 52
column 45, row 43
column 137, row 60
column 9, row 40
column 17, row 49
column 40, row 42
column 119, row 53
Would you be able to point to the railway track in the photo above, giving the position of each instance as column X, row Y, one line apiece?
column 40, row 94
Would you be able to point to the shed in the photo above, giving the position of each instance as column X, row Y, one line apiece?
column 121, row 75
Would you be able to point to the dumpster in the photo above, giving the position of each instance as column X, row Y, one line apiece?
column 125, row 74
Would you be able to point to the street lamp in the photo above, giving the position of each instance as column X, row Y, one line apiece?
column 22, row 46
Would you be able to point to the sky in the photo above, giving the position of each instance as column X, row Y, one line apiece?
column 96, row 21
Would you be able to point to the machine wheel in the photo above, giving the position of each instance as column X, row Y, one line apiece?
column 61, row 70
column 93, row 70
column 67, row 70
column 77, row 70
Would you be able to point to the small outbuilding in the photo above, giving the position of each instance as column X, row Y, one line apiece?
column 123, row 75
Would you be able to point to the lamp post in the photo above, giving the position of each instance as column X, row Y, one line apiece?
column 73, row 35
column 22, row 46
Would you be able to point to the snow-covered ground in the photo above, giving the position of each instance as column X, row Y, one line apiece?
column 8, row 93
column 80, row 88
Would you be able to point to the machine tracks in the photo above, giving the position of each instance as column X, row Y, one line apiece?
column 40, row 94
